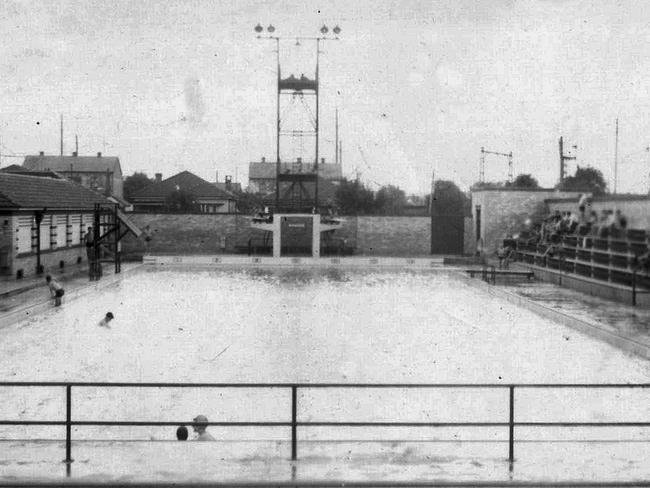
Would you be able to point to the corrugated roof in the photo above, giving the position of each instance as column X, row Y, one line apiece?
column 184, row 181
column 22, row 191
column 78, row 163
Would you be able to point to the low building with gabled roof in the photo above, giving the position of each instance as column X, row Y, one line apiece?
column 99, row 173
column 181, row 193
column 42, row 222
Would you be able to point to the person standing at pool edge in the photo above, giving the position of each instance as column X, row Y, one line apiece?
column 56, row 289
column 89, row 239
column 200, row 426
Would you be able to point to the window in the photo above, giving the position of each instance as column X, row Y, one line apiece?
column 46, row 232
column 61, row 222
column 24, row 235
column 75, row 229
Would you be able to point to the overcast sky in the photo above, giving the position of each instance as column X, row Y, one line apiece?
column 420, row 85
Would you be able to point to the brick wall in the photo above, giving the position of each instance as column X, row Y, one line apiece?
column 49, row 259
column 204, row 234
column 504, row 211
column 393, row 236
column 190, row 233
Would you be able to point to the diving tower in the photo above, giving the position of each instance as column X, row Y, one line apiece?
column 294, row 220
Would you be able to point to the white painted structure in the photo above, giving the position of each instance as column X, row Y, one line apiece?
column 317, row 225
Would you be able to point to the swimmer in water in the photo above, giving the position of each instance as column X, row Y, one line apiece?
column 105, row 321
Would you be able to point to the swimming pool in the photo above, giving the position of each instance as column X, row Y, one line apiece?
column 304, row 326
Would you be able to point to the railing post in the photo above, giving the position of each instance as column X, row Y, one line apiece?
column 294, row 412
column 511, row 436
column 634, row 287
column 68, row 429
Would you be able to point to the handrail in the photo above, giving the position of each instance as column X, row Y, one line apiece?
column 294, row 423
column 328, row 484
column 132, row 384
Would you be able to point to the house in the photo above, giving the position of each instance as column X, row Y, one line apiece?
column 42, row 222
column 261, row 175
column 100, row 173
column 184, row 192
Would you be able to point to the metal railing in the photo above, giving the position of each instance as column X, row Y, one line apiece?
column 294, row 423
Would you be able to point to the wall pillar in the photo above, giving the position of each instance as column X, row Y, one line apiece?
column 315, row 240
column 277, row 236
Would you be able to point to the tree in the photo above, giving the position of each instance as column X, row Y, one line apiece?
column 353, row 198
column 524, row 181
column 488, row 185
column 586, row 179
column 250, row 202
column 448, row 199
column 390, row 200
column 135, row 183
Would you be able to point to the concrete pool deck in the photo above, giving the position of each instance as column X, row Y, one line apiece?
column 23, row 298
column 624, row 326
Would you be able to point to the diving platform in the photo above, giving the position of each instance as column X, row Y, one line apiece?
column 296, row 234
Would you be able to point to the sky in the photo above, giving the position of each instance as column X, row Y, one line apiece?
column 420, row 86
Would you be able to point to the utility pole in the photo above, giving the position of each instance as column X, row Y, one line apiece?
column 61, row 135
column 433, row 187
column 616, row 158
column 647, row 149
column 482, row 168
column 76, row 144
column 563, row 158
column 341, row 156
column 336, row 143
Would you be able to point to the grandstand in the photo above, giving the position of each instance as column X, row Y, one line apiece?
column 618, row 259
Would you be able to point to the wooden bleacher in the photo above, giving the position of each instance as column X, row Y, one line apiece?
column 610, row 259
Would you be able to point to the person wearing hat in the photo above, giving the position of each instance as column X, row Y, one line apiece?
column 104, row 322
column 200, row 426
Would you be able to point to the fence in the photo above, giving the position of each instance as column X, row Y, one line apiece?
column 294, row 422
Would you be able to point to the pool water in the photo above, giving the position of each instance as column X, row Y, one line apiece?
column 310, row 326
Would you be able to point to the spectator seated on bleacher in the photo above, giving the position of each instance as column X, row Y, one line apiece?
column 642, row 261
column 620, row 220
column 618, row 227
column 605, row 223
column 573, row 222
